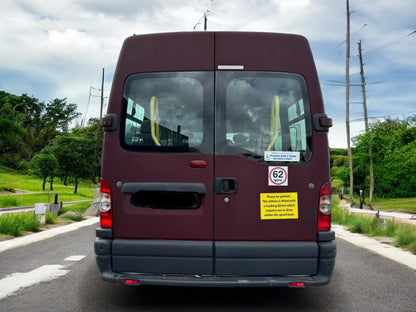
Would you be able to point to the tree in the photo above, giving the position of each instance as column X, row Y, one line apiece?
column 44, row 165
column 12, row 134
column 94, row 134
column 75, row 155
column 394, row 155
column 59, row 114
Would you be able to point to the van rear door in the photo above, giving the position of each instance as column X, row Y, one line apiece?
column 219, row 168
column 161, row 177
column 266, row 178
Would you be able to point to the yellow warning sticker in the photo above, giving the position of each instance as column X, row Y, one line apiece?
column 278, row 206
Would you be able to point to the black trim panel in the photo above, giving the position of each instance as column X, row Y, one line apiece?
column 162, row 256
column 189, row 263
column 325, row 236
column 132, row 188
column 266, row 258
column 104, row 233
column 253, row 249
column 163, row 248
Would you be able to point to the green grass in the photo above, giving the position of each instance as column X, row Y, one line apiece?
column 397, row 204
column 15, row 223
column 31, row 187
column 78, row 207
column 404, row 235
column 51, row 218
column 11, row 180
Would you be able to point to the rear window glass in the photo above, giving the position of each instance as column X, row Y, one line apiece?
column 164, row 111
column 263, row 116
column 267, row 116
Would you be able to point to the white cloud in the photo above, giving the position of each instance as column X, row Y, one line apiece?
column 58, row 48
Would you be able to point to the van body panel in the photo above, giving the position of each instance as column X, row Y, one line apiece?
column 239, row 217
column 148, row 223
column 167, row 256
column 214, row 164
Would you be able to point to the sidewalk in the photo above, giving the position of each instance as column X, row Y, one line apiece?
column 386, row 250
column 399, row 217
column 40, row 236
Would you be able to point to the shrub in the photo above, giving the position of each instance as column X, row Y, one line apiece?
column 73, row 216
column 51, row 218
column 14, row 223
column 405, row 236
column 360, row 225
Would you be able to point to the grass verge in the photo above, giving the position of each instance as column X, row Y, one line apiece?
column 397, row 204
column 15, row 223
column 28, row 190
column 404, row 235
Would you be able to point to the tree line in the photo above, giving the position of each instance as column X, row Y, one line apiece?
column 36, row 137
column 393, row 143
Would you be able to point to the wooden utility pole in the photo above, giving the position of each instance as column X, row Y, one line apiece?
column 360, row 56
column 347, row 101
column 370, row 143
column 102, row 96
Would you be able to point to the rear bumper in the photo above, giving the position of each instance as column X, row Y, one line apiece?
column 325, row 261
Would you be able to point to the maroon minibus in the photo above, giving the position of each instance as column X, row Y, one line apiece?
column 215, row 166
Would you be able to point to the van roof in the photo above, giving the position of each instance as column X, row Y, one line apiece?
column 206, row 51
column 193, row 50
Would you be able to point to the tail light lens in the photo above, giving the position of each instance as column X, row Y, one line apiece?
column 325, row 207
column 106, row 212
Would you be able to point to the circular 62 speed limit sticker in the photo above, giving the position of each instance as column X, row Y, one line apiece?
column 278, row 176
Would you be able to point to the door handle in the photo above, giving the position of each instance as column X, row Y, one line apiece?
column 226, row 185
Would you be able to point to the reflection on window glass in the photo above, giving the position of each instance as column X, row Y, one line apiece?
column 164, row 110
column 265, row 112
column 256, row 113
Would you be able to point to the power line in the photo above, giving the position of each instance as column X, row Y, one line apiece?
column 205, row 16
column 391, row 43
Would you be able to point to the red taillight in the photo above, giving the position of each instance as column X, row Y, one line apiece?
column 131, row 282
column 106, row 213
column 325, row 207
column 297, row 284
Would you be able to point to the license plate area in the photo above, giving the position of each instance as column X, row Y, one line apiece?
column 166, row 200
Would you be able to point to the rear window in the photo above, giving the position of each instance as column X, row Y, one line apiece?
column 164, row 112
column 267, row 116
column 263, row 116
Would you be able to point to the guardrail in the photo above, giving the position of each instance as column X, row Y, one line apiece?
column 32, row 208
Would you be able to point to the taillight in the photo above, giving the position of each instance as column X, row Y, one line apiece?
column 325, row 207
column 106, row 213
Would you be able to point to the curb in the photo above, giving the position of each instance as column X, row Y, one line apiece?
column 40, row 236
column 390, row 252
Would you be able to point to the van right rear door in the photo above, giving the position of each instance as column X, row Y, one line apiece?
column 267, row 179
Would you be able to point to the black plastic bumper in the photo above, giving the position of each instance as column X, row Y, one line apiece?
column 326, row 262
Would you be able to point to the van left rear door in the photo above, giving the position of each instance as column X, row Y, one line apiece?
column 163, row 205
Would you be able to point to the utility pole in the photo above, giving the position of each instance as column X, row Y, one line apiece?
column 370, row 143
column 347, row 101
column 205, row 20
column 360, row 56
column 102, row 96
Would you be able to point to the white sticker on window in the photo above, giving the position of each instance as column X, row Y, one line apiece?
column 281, row 156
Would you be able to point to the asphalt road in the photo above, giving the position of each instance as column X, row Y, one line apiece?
column 362, row 281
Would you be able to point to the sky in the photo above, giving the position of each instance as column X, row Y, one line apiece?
column 57, row 49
